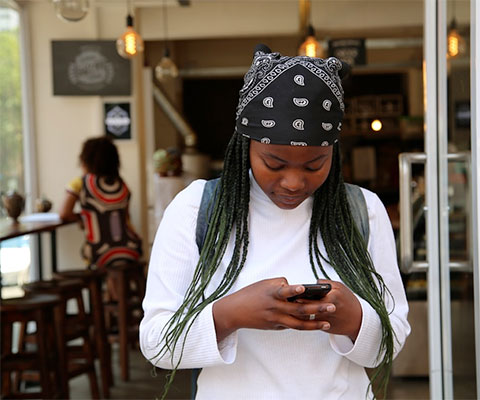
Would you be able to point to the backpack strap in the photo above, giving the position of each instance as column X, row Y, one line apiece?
column 205, row 211
column 203, row 218
column 358, row 208
column 356, row 199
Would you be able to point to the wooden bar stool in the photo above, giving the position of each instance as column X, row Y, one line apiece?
column 44, row 310
column 92, row 279
column 76, row 360
column 129, row 279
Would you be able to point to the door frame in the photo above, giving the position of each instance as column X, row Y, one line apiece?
column 475, row 184
column 436, row 171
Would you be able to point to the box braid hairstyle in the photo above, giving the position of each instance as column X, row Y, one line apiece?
column 346, row 252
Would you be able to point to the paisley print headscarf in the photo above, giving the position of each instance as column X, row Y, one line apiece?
column 294, row 101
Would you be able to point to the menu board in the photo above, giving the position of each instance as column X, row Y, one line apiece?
column 89, row 67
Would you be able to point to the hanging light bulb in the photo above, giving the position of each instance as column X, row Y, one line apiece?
column 71, row 10
column 166, row 68
column 455, row 43
column 311, row 47
column 130, row 43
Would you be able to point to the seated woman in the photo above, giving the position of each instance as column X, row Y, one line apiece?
column 104, row 198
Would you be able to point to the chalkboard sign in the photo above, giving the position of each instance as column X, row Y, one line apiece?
column 352, row 51
column 92, row 67
column 118, row 122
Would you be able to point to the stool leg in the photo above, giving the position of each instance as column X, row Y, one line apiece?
column 138, row 291
column 101, row 337
column 88, row 349
column 142, row 283
column 59, row 317
column 92, row 377
column 123, row 325
column 44, row 356
column 17, row 379
column 6, row 345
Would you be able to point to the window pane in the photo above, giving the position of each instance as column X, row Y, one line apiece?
column 11, row 137
column 15, row 254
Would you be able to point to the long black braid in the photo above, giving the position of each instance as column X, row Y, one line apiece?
column 348, row 255
column 346, row 252
column 230, row 211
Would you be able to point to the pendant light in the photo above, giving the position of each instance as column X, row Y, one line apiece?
column 166, row 68
column 71, row 10
column 311, row 47
column 130, row 44
column 455, row 42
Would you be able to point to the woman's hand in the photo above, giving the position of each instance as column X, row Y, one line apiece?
column 341, row 309
column 264, row 305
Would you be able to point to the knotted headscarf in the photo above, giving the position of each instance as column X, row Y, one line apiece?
column 294, row 101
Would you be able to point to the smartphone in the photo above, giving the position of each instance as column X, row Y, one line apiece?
column 313, row 292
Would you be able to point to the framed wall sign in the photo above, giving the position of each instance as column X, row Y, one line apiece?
column 117, row 120
column 89, row 67
column 352, row 51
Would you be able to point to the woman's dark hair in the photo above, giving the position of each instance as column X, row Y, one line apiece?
column 100, row 157
column 346, row 251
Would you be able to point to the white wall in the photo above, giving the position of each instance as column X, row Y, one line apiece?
column 208, row 19
column 62, row 123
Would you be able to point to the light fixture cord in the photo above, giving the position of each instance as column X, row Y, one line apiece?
column 165, row 27
column 453, row 13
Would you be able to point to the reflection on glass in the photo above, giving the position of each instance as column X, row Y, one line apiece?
column 461, row 281
column 418, row 213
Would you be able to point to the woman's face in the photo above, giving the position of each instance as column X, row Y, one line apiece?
column 289, row 174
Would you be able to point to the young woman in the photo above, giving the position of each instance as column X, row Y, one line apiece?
column 104, row 198
column 280, row 219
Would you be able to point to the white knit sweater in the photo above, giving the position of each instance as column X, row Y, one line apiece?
column 258, row 364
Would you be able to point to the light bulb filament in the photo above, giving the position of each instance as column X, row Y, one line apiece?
column 452, row 45
column 130, row 43
column 311, row 50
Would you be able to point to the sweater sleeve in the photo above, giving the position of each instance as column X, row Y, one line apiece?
column 75, row 186
column 172, row 263
column 365, row 350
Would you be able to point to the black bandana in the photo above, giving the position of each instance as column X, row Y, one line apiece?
column 291, row 100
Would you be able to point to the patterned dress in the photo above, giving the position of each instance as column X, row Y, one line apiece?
column 109, row 236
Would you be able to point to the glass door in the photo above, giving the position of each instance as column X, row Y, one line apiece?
column 439, row 205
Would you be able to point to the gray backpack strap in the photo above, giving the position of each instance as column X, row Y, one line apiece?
column 203, row 218
column 205, row 211
column 358, row 207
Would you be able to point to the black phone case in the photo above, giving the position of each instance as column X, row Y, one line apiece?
column 313, row 292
